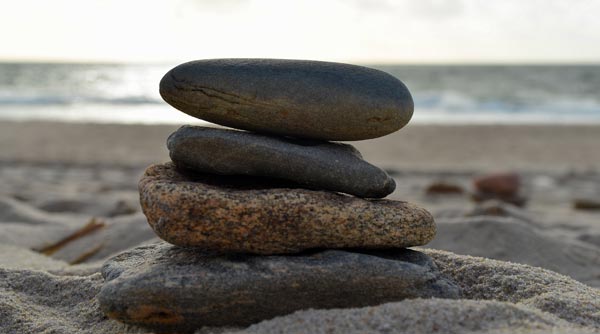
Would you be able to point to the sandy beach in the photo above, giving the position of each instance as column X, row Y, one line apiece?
column 416, row 147
column 69, row 201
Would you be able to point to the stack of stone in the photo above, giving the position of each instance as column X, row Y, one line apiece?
column 277, row 218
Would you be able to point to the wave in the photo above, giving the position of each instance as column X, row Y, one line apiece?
column 447, row 101
column 444, row 107
column 456, row 103
column 54, row 100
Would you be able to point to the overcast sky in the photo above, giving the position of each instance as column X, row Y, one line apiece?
column 360, row 31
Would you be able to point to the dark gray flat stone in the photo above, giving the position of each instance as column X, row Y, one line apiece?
column 315, row 164
column 299, row 98
column 168, row 288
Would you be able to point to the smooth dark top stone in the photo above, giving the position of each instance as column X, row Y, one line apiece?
column 314, row 164
column 172, row 289
column 299, row 98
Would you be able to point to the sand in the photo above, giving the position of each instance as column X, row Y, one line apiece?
column 415, row 147
column 69, row 201
column 499, row 297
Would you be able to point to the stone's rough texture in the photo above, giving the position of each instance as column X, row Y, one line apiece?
column 173, row 289
column 299, row 98
column 246, row 214
column 315, row 164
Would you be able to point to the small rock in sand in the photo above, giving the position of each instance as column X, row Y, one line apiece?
column 586, row 204
column 438, row 188
column 501, row 184
column 498, row 186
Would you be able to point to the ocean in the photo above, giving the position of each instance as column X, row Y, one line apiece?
column 443, row 94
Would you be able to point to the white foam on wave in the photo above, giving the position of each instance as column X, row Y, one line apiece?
column 146, row 114
column 456, row 108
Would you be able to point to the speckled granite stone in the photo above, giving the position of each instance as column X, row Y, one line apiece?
column 314, row 164
column 299, row 98
column 248, row 214
column 173, row 289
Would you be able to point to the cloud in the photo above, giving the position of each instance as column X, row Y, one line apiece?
column 213, row 5
column 428, row 9
column 436, row 9
column 343, row 30
column 374, row 5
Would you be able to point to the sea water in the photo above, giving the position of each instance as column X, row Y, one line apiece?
column 452, row 94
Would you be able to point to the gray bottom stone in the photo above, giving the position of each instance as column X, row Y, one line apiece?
column 169, row 288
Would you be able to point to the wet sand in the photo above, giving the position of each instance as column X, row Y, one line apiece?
column 422, row 147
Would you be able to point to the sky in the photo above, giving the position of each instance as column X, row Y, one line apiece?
column 358, row 31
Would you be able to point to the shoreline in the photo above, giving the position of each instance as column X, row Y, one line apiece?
column 418, row 147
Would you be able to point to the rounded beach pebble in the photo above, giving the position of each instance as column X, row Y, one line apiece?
column 249, row 214
column 315, row 164
column 298, row 98
column 173, row 289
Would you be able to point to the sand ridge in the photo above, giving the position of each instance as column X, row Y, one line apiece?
column 501, row 297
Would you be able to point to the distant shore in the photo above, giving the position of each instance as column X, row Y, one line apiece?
column 416, row 147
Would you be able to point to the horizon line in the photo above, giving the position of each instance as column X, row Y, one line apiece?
column 359, row 62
